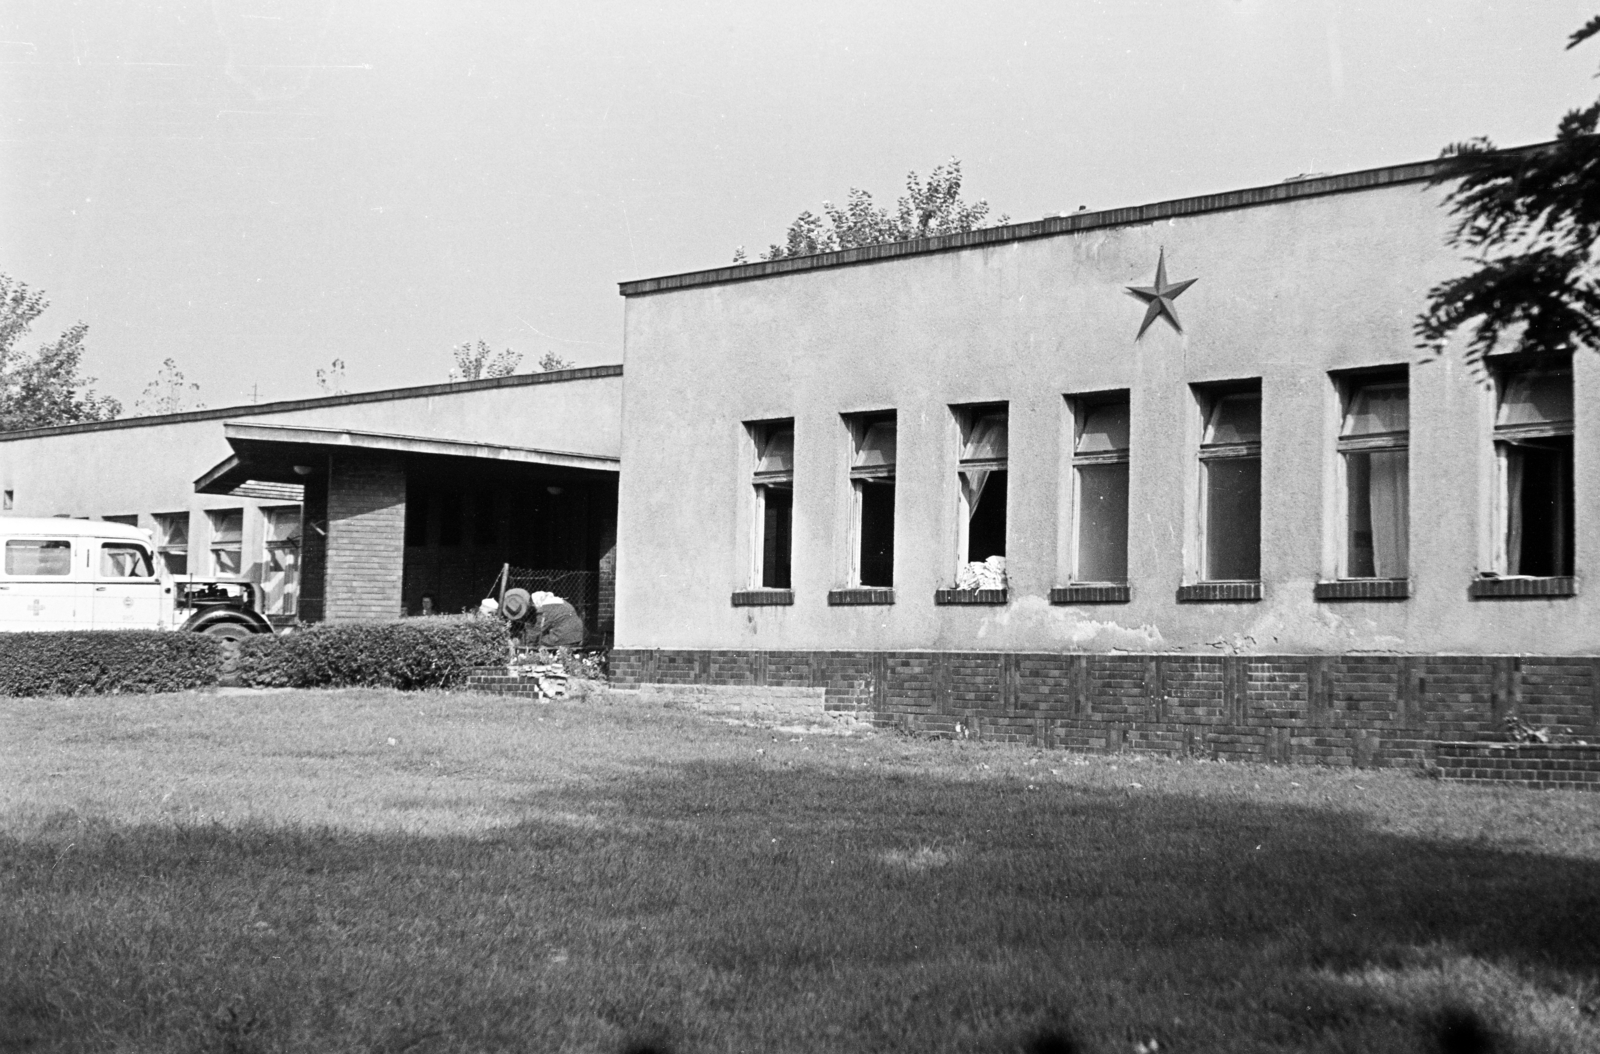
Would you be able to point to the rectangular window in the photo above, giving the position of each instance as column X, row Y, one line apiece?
column 125, row 560
column 1373, row 439
column 172, row 541
column 1100, row 488
column 8, row 500
column 227, row 541
column 280, row 559
column 774, row 494
column 1533, row 449
column 872, row 461
column 38, row 556
column 1230, row 483
column 981, row 485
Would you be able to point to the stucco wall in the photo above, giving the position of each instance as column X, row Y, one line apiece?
column 1287, row 292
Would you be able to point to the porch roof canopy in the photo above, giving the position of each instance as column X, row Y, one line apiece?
column 291, row 453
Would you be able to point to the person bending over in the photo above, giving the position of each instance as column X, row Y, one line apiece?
column 557, row 624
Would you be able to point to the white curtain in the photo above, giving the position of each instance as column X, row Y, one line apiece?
column 1391, row 516
column 972, row 481
column 988, row 439
column 1513, row 470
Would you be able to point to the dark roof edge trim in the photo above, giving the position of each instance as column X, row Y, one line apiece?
column 1366, row 179
column 515, row 380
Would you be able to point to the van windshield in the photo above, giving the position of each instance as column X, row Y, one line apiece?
column 124, row 560
column 38, row 556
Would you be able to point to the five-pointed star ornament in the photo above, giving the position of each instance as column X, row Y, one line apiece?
column 1160, row 296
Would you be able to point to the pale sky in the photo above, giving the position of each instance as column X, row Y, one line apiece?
column 255, row 187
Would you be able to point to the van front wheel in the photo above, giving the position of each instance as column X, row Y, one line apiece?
column 234, row 631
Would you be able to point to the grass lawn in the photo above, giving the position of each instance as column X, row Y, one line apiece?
column 376, row 871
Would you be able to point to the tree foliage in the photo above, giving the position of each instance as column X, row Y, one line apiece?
column 926, row 210
column 168, row 393
column 43, row 386
column 1531, row 220
column 552, row 361
column 331, row 380
column 474, row 361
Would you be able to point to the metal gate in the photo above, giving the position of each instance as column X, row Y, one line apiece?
column 581, row 589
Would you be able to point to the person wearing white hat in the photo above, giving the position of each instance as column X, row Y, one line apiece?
column 558, row 624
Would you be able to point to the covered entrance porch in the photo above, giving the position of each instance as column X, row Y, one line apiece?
column 403, row 525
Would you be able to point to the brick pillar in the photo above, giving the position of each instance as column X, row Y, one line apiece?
column 366, row 538
column 608, row 591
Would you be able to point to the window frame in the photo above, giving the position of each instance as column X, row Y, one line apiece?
column 43, row 542
column 272, row 549
column 108, row 545
column 1348, row 386
column 1503, row 373
column 1208, row 397
column 1082, row 406
column 860, row 476
column 760, row 433
column 163, row 535
column 966, row 416
column 216, row 544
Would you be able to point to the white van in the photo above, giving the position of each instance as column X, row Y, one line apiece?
column 58, row 574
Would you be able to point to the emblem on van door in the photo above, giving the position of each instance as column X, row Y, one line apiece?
column 1159, row 297
column 37, row 607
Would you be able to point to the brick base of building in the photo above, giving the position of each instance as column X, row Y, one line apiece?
column 1362, row 710
column 1545, row 766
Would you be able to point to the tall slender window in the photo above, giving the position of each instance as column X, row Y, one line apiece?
column 872, row 482
column 1373, row 440
column 1533, row 448
column 172, row 541
column 280, row 559
column 774, row 491
column 1100, row 470
column 227, row 541
column 1230, row 483
column 982, row 477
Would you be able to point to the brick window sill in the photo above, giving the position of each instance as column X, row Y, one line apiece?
column 944, row 597
column 1363, row 589
column 1092, row 593
column 762, row 598
column 860, row 596
column 1220, row 592
column 1516, row 588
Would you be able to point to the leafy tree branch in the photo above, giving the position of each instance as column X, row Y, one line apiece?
column 926, row 210
column 44, row 386
column 475, row 361
column 1530, row 220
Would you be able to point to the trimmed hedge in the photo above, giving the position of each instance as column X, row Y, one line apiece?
column 433, row 652
column 98, row 662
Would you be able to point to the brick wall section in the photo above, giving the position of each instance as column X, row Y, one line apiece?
column 366, row 538
column 1362, row 710
column 607, row 614
column 1546, row 766
column 314, row 550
